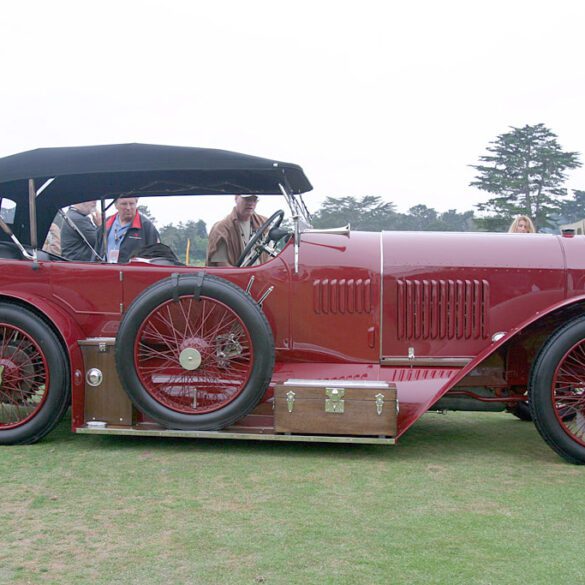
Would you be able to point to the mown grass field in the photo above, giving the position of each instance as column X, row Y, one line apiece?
column 463, row 499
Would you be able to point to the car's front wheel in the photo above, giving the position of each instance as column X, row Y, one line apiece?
column 557, row 391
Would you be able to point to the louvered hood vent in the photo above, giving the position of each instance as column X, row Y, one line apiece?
column 342, row 296
column 443, row 309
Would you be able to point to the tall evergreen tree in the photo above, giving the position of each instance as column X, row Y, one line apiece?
column 525, row 170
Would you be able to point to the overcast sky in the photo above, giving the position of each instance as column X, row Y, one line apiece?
column 371, row 98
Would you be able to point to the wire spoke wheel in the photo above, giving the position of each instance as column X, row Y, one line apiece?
column 193, row 356
column 194, row 352
column 34, row 377
column 557, row 391
column 568, row 392
column 24, row 377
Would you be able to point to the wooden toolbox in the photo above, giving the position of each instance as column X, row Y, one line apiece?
column 335, row 407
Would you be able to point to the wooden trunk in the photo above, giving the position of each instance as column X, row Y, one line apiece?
column 335, row 407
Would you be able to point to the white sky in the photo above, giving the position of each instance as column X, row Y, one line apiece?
column 371, row 98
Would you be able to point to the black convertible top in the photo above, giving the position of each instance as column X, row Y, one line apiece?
column 92, row 172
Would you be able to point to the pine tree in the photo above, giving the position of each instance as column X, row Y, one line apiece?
column 526, row 171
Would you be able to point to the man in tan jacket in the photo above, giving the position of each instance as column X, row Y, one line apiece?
column 228, row 237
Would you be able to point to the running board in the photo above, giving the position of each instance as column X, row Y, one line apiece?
column 237, row 435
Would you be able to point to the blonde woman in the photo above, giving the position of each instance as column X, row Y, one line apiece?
column 522, row 224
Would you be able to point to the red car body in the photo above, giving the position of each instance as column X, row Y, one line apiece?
column 462, row 321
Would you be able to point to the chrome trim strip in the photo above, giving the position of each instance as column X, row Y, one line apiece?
column 297, row 243
column 458, row 362
column 305, row 383
column 97, row 341
column 32, row 214
column 381, row 293
column 242, row 436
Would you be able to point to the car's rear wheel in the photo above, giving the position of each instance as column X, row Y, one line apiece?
column 195, row 353
column 557, row 392
column 34, row 380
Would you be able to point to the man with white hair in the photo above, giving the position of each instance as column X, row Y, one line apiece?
column 128, row 230
column 229, row 237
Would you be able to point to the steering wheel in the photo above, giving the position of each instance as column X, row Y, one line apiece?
column 258, row 242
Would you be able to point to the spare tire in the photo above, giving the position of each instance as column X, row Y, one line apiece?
column 195, row 352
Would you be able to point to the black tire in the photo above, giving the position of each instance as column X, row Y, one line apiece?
column 556, row 395
column 31, row 355
column 170, row 318
column 521, row 410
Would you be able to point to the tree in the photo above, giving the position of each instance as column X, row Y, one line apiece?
column 176, row 236
column 369, row 213
column 452, row 221
column 372, row 214
column 143, row 210
column 574, row 209
column 423, row 218
column 419, row 217
column 525, row 170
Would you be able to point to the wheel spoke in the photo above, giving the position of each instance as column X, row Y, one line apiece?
column 23, row 389
column 568, row 392
column 211, row 328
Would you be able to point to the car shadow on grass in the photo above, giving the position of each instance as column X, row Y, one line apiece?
column 451, row 437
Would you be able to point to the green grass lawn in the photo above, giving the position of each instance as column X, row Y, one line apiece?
column 462, row 499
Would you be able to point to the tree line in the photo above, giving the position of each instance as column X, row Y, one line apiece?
column 524, row 171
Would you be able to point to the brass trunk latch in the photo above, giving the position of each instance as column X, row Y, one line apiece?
column 335, row 401
column 290, row 400
column 379, row 403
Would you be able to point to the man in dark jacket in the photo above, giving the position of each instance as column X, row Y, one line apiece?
column 77, row 244
column 128, row 230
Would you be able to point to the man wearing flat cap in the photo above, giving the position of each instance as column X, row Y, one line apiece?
column 228, row 237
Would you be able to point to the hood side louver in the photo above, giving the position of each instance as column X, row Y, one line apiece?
column 442, row 309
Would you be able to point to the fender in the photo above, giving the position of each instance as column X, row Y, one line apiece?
column 458, row 375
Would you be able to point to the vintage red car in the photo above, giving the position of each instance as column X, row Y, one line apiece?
column 340, row 336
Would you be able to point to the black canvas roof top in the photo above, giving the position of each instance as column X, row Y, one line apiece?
column 88, row 172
